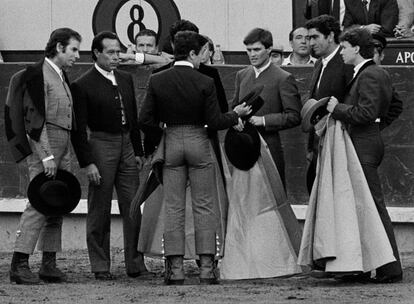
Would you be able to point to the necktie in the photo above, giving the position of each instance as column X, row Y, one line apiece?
column 365, row 8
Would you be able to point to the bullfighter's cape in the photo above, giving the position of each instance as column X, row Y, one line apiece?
column 263, row 234
column 343, row 231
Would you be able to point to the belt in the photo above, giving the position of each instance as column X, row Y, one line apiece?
column 183, row 126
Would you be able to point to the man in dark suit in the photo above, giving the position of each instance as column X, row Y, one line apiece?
column 185, row 100
column 38, row 121
column 329, row 78
column 185, row 25
column 366, row 103
column 377, row 16
column 281, row 109
column 104, row 101
column 316, row 8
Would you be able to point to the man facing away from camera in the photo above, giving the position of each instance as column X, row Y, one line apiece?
column 185, row 100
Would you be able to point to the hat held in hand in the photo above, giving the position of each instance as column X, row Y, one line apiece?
column 254, row 100
column 242, row 148
column 313, row 110
column 54, row 196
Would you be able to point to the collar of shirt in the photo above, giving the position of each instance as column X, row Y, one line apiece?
column 368, row 2
column 359, row 66
column 326, row 60
column 288, row 60
column 184, row 63
column 257, row 71
column 55, row 67
column 108, row 75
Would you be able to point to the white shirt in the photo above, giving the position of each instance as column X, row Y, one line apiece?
column 184, row 63
column 288, row 60
column 325, row 62
column 257, row 71
column 108, row 75
column 341, row 12
column 55, row 67
column 139, row 58
column 359, row 66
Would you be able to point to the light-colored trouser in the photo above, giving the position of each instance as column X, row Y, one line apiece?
column 115, row 159
column 188, row 156
column 34, row 226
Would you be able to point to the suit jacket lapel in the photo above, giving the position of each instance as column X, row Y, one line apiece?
column 368, row 63
column 373, row 8
column 315, row 76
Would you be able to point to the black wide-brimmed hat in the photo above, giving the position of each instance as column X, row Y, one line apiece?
column 242, row 148
column 254, row 100
column 313, row 110
column 54, row 196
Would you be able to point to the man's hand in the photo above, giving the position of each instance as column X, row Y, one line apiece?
column 240, row 126
column 126, row 57
column 93, row 175
column 242, row 109
column 168, row 57
column 140, row 161
column 256, row 121
column 332, row 104
column 50, row 168
column 401, row 31
column 373, row 28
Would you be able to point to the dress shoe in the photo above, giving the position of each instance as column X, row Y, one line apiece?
column 48, row 271
column 174, row 270
column 387, row 279
column 208, row 271
column 104, row 276
column 143, row 275
column 319, row 274
column 20, row 272
column 354, row 278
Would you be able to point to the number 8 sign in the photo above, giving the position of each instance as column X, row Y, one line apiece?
column 137, row 18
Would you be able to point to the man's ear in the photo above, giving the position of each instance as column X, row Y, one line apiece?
column 96, row 52
column 269, row 49
column 331, row 37
column 192, row 54
column 59, row 47
column 357, row 48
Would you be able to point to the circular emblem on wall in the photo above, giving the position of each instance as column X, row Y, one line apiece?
column 127, row 17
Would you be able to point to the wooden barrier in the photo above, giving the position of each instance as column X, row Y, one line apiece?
column 396, row 170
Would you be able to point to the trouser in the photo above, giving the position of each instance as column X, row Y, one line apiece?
column 34, row 227
column 370, row 151
column 312, row 158
column 188, row 156
column 115, row 160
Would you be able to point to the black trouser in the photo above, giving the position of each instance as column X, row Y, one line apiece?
column 370, row 150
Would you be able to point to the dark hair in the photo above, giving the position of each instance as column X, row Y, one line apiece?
column 325, row 24
column 147, row 32
column 185, row 42
column 97, row 41
column 182, row 25
column 62, row 36
column 294, row 29
column 259, row 35
column 362, row 38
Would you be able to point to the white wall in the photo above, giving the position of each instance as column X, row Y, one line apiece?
column 26, row 24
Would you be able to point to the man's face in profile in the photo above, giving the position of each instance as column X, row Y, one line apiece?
column 146, row 44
